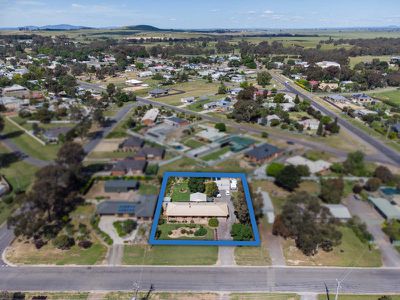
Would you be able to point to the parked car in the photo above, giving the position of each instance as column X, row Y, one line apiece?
column 227, row 193
column 219, row 196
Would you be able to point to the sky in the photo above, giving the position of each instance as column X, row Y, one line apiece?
column 201, row 14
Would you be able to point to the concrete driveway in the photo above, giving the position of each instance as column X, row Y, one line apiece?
column 106, row 225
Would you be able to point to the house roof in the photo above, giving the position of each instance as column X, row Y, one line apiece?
column 197, row 209
column 151, row 114
column 339, row 211
column 313, row 166
column 132, row 141
column 385, row 207
column 151, row 151
column 177, row 120
column 120, row 183
column 130, row 164
column 198, row 197
column 143, row 207
column 263, row 151
column 158, row 91
column 55, row 132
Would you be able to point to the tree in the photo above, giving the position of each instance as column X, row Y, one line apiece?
column 220, row 126
column 303, row 170
column 240, row 205
column 309, row 223
column 274, row 168
column 111, row 89
column 332, row 190
column 241, row 232
column 384, row 174
column 320, row 130
column 354, row 164
column 70, row 154
column 222, row 89
column 98, row 116
column 196, row 185
column 2, row 123
column 372, row 184
column 263, row 78
column 211, row 189
column 289, row 178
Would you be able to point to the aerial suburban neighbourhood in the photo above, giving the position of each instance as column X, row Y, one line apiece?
column 229, row 150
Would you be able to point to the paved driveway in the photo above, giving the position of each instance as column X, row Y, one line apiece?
column 390, row 256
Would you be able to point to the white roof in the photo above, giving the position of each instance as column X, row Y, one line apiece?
column 151, row 114
column 339, row 211
column 133, row 81
column 314, row 166
column 223, row 184
column 198, row 197
column 197, row 209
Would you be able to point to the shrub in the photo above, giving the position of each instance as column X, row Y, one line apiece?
column 170, row 232
column 213, row 222
column 360, row 229
column 372, row 184
column 384, row 174
column 241, row 232
column 63, row 242
column 357, row 189
column 8, row 199
column 201, row 231
column 303, row 170
column 273, row 169
column 39, row 243
column 85, row 244
column 125, row 227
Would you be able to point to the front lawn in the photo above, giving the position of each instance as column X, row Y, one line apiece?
column 167, row 228
column 216, row 154
column 170, row 255
column 350, row 253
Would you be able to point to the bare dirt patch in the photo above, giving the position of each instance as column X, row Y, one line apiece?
column 108, row 145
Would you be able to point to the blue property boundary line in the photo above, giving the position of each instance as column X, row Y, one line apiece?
column 242, row 176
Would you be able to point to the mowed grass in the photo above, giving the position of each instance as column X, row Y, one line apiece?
column 180, row 192
column 195, row 88
column 184, row 163
column 192, row 143
column 367, row 58
column 161, row 296
column 28, row 144
column 170, row 255
column 58, row 296
column 390, row 97
column 350, row 253
column 216, row 154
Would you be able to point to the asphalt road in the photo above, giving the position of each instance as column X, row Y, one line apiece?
column 208, row 279
column 247, row 128
column 384, row 150
column 6, row 237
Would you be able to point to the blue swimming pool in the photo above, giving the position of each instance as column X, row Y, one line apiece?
column 390, row 191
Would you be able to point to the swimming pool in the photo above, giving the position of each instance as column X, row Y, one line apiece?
column 390, row 191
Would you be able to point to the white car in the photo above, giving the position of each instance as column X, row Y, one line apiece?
column 227, row 193
column 219, row 196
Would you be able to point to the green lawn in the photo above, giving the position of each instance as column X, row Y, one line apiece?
column 165, row 228
column 192, row 143
column 367, row 58
column 184, row 163
column 180, row 192
column 198, row 106
column 148, row 189
column 216, row 154
column 170, row 255
column 29, row 145
column 59, row 296
column 390, row 97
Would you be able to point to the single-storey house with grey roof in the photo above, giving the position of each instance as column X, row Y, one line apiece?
column 120, row 186
column 143, row 208
column 263, row 153
column 150, row 153
column 52, row 135
column 158, row 92
column 388, row 210
column 131, row 144
column 129, row 166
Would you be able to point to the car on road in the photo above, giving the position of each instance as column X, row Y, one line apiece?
column 227, row 193
column 289, row 142
column 219, row 195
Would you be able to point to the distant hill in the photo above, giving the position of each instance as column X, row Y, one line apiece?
column 55, row 27
column 148, row 28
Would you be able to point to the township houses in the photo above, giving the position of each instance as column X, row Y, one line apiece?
column 140, row 209
column 150, row 117
column 315, row 167
column 327, row 64
column 337, row 98
column 263, row 153
column 132, row 143
column 362, row 99
column 188, row 99
column 310, row 124
column 52, row 135
column 328, row 86
column 150, row 153
column 129, row 166
column 12, row 103
column 197, row 212
column 17, row 91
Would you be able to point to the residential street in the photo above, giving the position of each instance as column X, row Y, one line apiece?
column 271, row 279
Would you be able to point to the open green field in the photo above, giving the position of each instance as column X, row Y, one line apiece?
column 350, row 253
column 194, row 88
column 216, row 154
column 367, row 58
column 29, row 145
column 390, row 97
column 165, row 228
column 170, row 255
